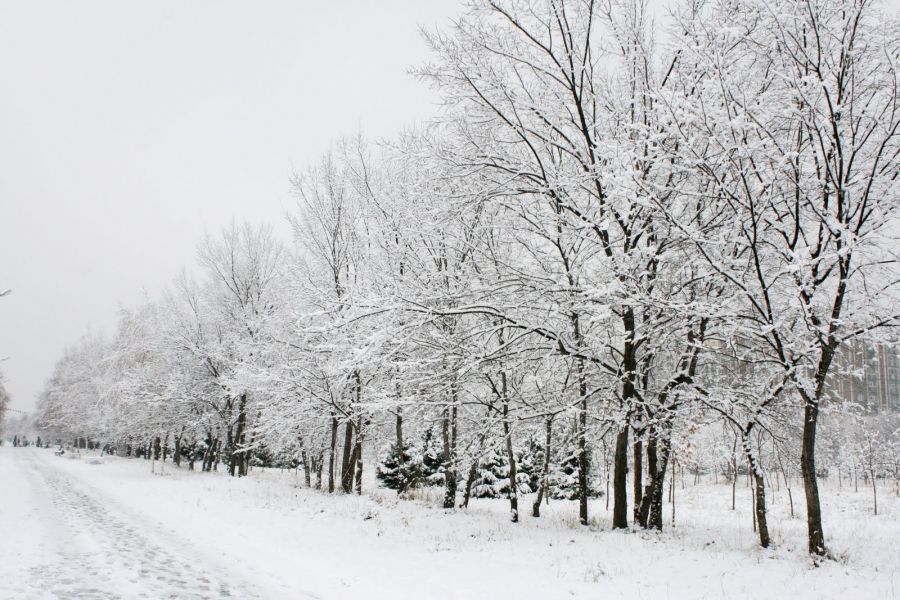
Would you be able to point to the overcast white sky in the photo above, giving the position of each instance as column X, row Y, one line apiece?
column 128, row 129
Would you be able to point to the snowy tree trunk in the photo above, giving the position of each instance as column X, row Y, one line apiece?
column 874, row 494
column 473, row 470
column 304, row 458
column 401, row 455
column 177, row 457
column 620, row 477
column 758, row 476
column 358, row 453
column 332, row 453
column 620, row 480
column 544, row 488
column 816, row 536
column 638, row 477
column 655, row 518
column 448, row 432
column 347, row 463
column 236, row 459
column 513, row 492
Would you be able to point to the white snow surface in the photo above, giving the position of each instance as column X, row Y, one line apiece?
column 70, row 529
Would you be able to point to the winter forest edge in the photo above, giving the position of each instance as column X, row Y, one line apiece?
column 619, row 256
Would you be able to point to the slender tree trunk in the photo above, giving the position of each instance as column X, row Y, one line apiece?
column 638, row 476
column 874, row 494
column 217, row 454
column 448, row 431
column 307, row 479
column 178, row 448
column 787, row 481
column 672, row 487
column 620, row 477
column 544, row 488
column 398, row 432
column 734, row 474
column 470, row 481
column 761, row 509
column 584, row 465
column 811, row 486
column 607, row 469
column 648, row 495
column 663, row 452
column 620, row 480
column 473, row 470
column 319, row 467
column 236, row 457
column 358, row 453
column 401, row 454
column 756, row 471
column 331, row 453
column 513, row 491
column 347, row 462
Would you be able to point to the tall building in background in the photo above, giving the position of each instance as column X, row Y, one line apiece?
column 868, row 375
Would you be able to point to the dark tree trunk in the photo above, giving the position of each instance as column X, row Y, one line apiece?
column 304, row 458
column 177, row 456
column 620, row 480
column 638, row 476
column 332, row 452
column 398, row 430
column 401, row 454
column 874, row 493
column 620, row 477
column 658, row 449
column 217, row 453
column 358, row 453
column 350, row 476
column 810, row 484
column 347, row 463
column 513, row 493
column 655, row 518
column 237, row 458
column 473, row 471
column 761, row 509
column 584, row 465
column 448, row 432
column 470, row 481
column 759, row 499
column 207, row 455
column 192, row 455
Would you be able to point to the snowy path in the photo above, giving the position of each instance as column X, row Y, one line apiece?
column 94, row 547
column 71, row 530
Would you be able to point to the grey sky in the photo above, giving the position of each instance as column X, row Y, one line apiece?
column 128, row 129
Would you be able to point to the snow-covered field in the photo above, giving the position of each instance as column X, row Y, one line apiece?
column 70, row 529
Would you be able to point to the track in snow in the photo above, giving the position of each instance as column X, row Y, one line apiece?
column 96, row 548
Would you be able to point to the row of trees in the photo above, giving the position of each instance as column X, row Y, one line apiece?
column 606, row 238
column 4, row 404
column 4, row 395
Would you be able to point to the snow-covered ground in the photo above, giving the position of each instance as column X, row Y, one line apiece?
column 70, row 529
